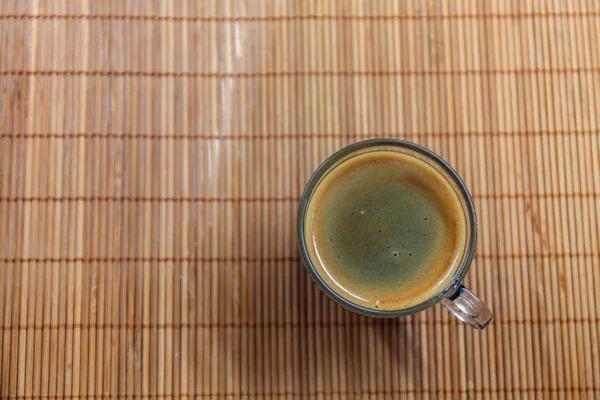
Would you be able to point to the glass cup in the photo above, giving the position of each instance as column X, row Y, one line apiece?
column 455, row 297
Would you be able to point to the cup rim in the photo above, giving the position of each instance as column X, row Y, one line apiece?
column 454, row 283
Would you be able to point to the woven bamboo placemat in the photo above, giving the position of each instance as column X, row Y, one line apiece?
column 153, row 154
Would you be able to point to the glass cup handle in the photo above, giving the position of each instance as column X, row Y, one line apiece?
column 468, row 308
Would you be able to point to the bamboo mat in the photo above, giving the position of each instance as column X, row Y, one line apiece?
column 153, row 154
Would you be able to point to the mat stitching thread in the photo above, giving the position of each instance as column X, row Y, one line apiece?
column 273, row 74
column 275, row 18
column 57, row 199
column 268, row 325
column 182, row 136
column 308, row 394
column 257, row 259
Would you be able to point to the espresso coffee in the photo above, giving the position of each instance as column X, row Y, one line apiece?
column 385, row 230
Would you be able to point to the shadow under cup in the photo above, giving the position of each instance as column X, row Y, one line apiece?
column 460, row 301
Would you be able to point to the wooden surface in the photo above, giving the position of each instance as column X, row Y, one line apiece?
column 153, row 154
